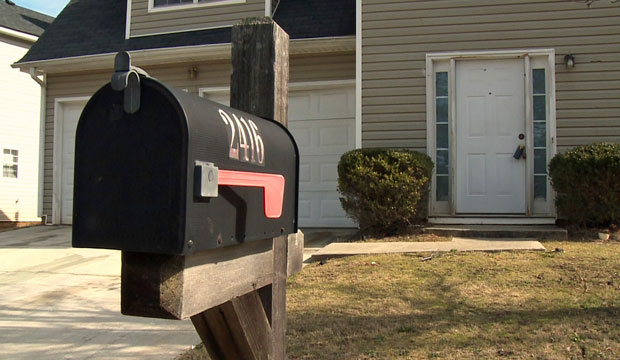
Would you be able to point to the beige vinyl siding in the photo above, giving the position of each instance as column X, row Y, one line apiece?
column 20, row 99
column 397, row 35
column 199, row 17
column 210, row 74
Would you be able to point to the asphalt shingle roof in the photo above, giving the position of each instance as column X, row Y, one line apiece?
column 88, row 27
column 21, row 19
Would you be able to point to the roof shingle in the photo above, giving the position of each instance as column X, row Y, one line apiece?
column 104, row 24
column 23, row 20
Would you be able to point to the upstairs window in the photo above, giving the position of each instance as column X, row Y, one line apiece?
column 158, row 3
column 9, row 163
column 174, row 4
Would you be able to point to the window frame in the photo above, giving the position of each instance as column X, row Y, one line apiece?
column 14, row 162
column 194, row 5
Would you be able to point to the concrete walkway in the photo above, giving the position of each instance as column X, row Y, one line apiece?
column 458, row 244
column 57, row 302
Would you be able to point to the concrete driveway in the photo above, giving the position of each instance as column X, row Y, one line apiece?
column 57, row 302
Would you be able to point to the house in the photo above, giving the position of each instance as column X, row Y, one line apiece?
column 20, row 120
column 467, row 82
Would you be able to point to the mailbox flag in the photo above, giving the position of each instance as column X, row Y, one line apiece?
column 272, row 184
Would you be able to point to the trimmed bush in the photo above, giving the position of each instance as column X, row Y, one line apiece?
column 587, row 182
column 384, row 190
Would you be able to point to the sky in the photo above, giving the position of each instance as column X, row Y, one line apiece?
column 48, row 7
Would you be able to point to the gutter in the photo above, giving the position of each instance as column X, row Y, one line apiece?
column 18, row 34
column 43, row 83
column 206, row 52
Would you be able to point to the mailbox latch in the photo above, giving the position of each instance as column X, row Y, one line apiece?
column 206, row 178
column 126, row 78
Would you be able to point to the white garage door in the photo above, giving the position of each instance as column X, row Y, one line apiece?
column 323, row 124
column 322, row 120
column 69, row 115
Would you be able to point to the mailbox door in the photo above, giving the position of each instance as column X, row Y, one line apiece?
column 130, row 173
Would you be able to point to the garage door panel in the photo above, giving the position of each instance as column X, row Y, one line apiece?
column 329, row 174
column 305, row 209
column 334, row 136
column 318, row 173
column 69, row 116
column 336, row 103
column 305, row 173
column 324, row 210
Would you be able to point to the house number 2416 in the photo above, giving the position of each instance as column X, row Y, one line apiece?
column 245, row 142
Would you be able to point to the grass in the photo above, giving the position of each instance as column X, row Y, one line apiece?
column 553, row 305
column 408, row 238
column 562, row 304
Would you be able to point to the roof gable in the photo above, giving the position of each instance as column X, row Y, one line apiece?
column 89, row 27
column 24, row 20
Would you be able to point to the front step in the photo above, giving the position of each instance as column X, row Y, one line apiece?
column 547, row 232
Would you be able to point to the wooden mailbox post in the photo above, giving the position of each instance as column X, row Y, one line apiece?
column 235, row 295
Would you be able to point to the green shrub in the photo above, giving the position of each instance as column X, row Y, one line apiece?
column 384, row 190
column 587, row 182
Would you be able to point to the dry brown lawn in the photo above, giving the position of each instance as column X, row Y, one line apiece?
column 562, row 304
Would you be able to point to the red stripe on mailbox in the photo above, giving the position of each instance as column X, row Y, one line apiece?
column 272, row 184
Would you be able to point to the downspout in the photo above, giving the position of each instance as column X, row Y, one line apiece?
column 43, row 83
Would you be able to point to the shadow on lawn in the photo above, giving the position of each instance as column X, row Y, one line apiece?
column 444, row 322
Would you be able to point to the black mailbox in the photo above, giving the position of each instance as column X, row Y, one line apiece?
column 163, row 171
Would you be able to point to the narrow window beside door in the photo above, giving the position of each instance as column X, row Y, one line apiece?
column 540, row 133
column 442, row 140
column 9, row 163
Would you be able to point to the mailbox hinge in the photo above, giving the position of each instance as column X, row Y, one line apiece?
column 127, row 78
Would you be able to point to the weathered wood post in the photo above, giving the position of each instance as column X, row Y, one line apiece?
column 259, row 85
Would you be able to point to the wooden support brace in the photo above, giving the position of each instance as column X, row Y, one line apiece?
column 238, row 329
column 178, row 287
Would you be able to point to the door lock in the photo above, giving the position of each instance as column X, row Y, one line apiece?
column 520, row 153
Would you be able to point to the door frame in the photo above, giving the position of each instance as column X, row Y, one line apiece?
column 447, row 62
column 59, row 104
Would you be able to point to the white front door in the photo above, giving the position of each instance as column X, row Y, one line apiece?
column 70, row 116
column 490, row 117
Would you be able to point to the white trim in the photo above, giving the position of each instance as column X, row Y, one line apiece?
column 267, row 7
column 296, row 86
column 489, row 54
column 18, row 34
column 312, row 85
column 431, row 58
column 42, row 119
column 128, row 21
column 552, row 136
column 358, row 74
column 492, row 220
column 453, row 135
column 529, row 136
column 213, row 90
column 430, row 131
column 57, row 153
column 181, row 31
column 153, row 9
